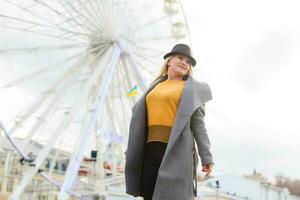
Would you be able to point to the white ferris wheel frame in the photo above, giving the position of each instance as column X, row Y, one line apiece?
column 115, row 52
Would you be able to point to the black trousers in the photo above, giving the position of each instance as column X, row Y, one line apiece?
column 153, row 156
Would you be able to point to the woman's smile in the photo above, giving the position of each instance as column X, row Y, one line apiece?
column 182, row 66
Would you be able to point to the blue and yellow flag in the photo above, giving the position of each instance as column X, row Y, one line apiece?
column 133, row 91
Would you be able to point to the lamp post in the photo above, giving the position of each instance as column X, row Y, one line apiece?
column 217, row 189
column 268, row 185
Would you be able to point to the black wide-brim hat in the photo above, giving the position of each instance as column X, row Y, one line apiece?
column 182, row 49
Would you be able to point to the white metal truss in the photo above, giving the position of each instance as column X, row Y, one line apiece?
column 90, row 125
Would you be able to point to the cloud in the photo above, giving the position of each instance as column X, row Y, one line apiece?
column 239, row 148
column 259, row 61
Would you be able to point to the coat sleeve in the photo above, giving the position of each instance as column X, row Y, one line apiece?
column 200, row 134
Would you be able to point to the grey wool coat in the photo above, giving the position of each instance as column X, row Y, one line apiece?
column 176, row 175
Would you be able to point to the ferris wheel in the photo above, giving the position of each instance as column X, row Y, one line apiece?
column 70, row 71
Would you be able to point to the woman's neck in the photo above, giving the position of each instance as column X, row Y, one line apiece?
column 172, row 77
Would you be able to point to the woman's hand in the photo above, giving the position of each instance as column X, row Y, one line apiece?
column 207, row 168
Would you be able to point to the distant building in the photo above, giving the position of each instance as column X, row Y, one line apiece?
column 256, row 176
column 246, row 188
column 12, row 170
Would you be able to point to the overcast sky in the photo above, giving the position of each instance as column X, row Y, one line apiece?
column 248, row 52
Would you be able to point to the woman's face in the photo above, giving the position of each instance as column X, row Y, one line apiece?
column 179, row 65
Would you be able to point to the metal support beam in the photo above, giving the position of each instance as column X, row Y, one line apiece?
column 77, row 157
column 13, row 143
column 137, row 70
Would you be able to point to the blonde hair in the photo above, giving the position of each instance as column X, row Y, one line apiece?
column 164, row 68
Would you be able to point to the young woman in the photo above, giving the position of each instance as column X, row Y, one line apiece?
column 161, row 161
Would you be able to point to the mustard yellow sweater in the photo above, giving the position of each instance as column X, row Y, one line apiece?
column 162, row 103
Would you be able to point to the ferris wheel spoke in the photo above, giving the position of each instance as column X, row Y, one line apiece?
column 98, row 11
column 75, row 15
column 39, row 72
column 127, row 39
column 116, row 130
column 32, row 24
column 26, row 9
column 43, row 34
column 145, row 68
column 32, row 5
column 47, row 147
column 39, row 49
column 24, row 115
column 139, row 7
column 57, row 184
column 91, row 17
column 112, row 13
column 154, row 52
column 151, row 39
column 109, row 106
column 123, row 97
column 69, row 20
column 73, row 23
column 143, row 57
column 84, row 140
column 39, row 160
column 152, row 22
column 101, row 12
column 42, row 18
column 48, row 110
column 29, row 22
column 147, row 58
column 47, row 6
column 85, row 20
column 61, row 15
column 125, row 76
column 128, row 79
column 52, row 105
column 120, row 8
column 136, row 68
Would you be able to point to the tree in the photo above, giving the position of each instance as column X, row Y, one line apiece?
column 292, row 185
